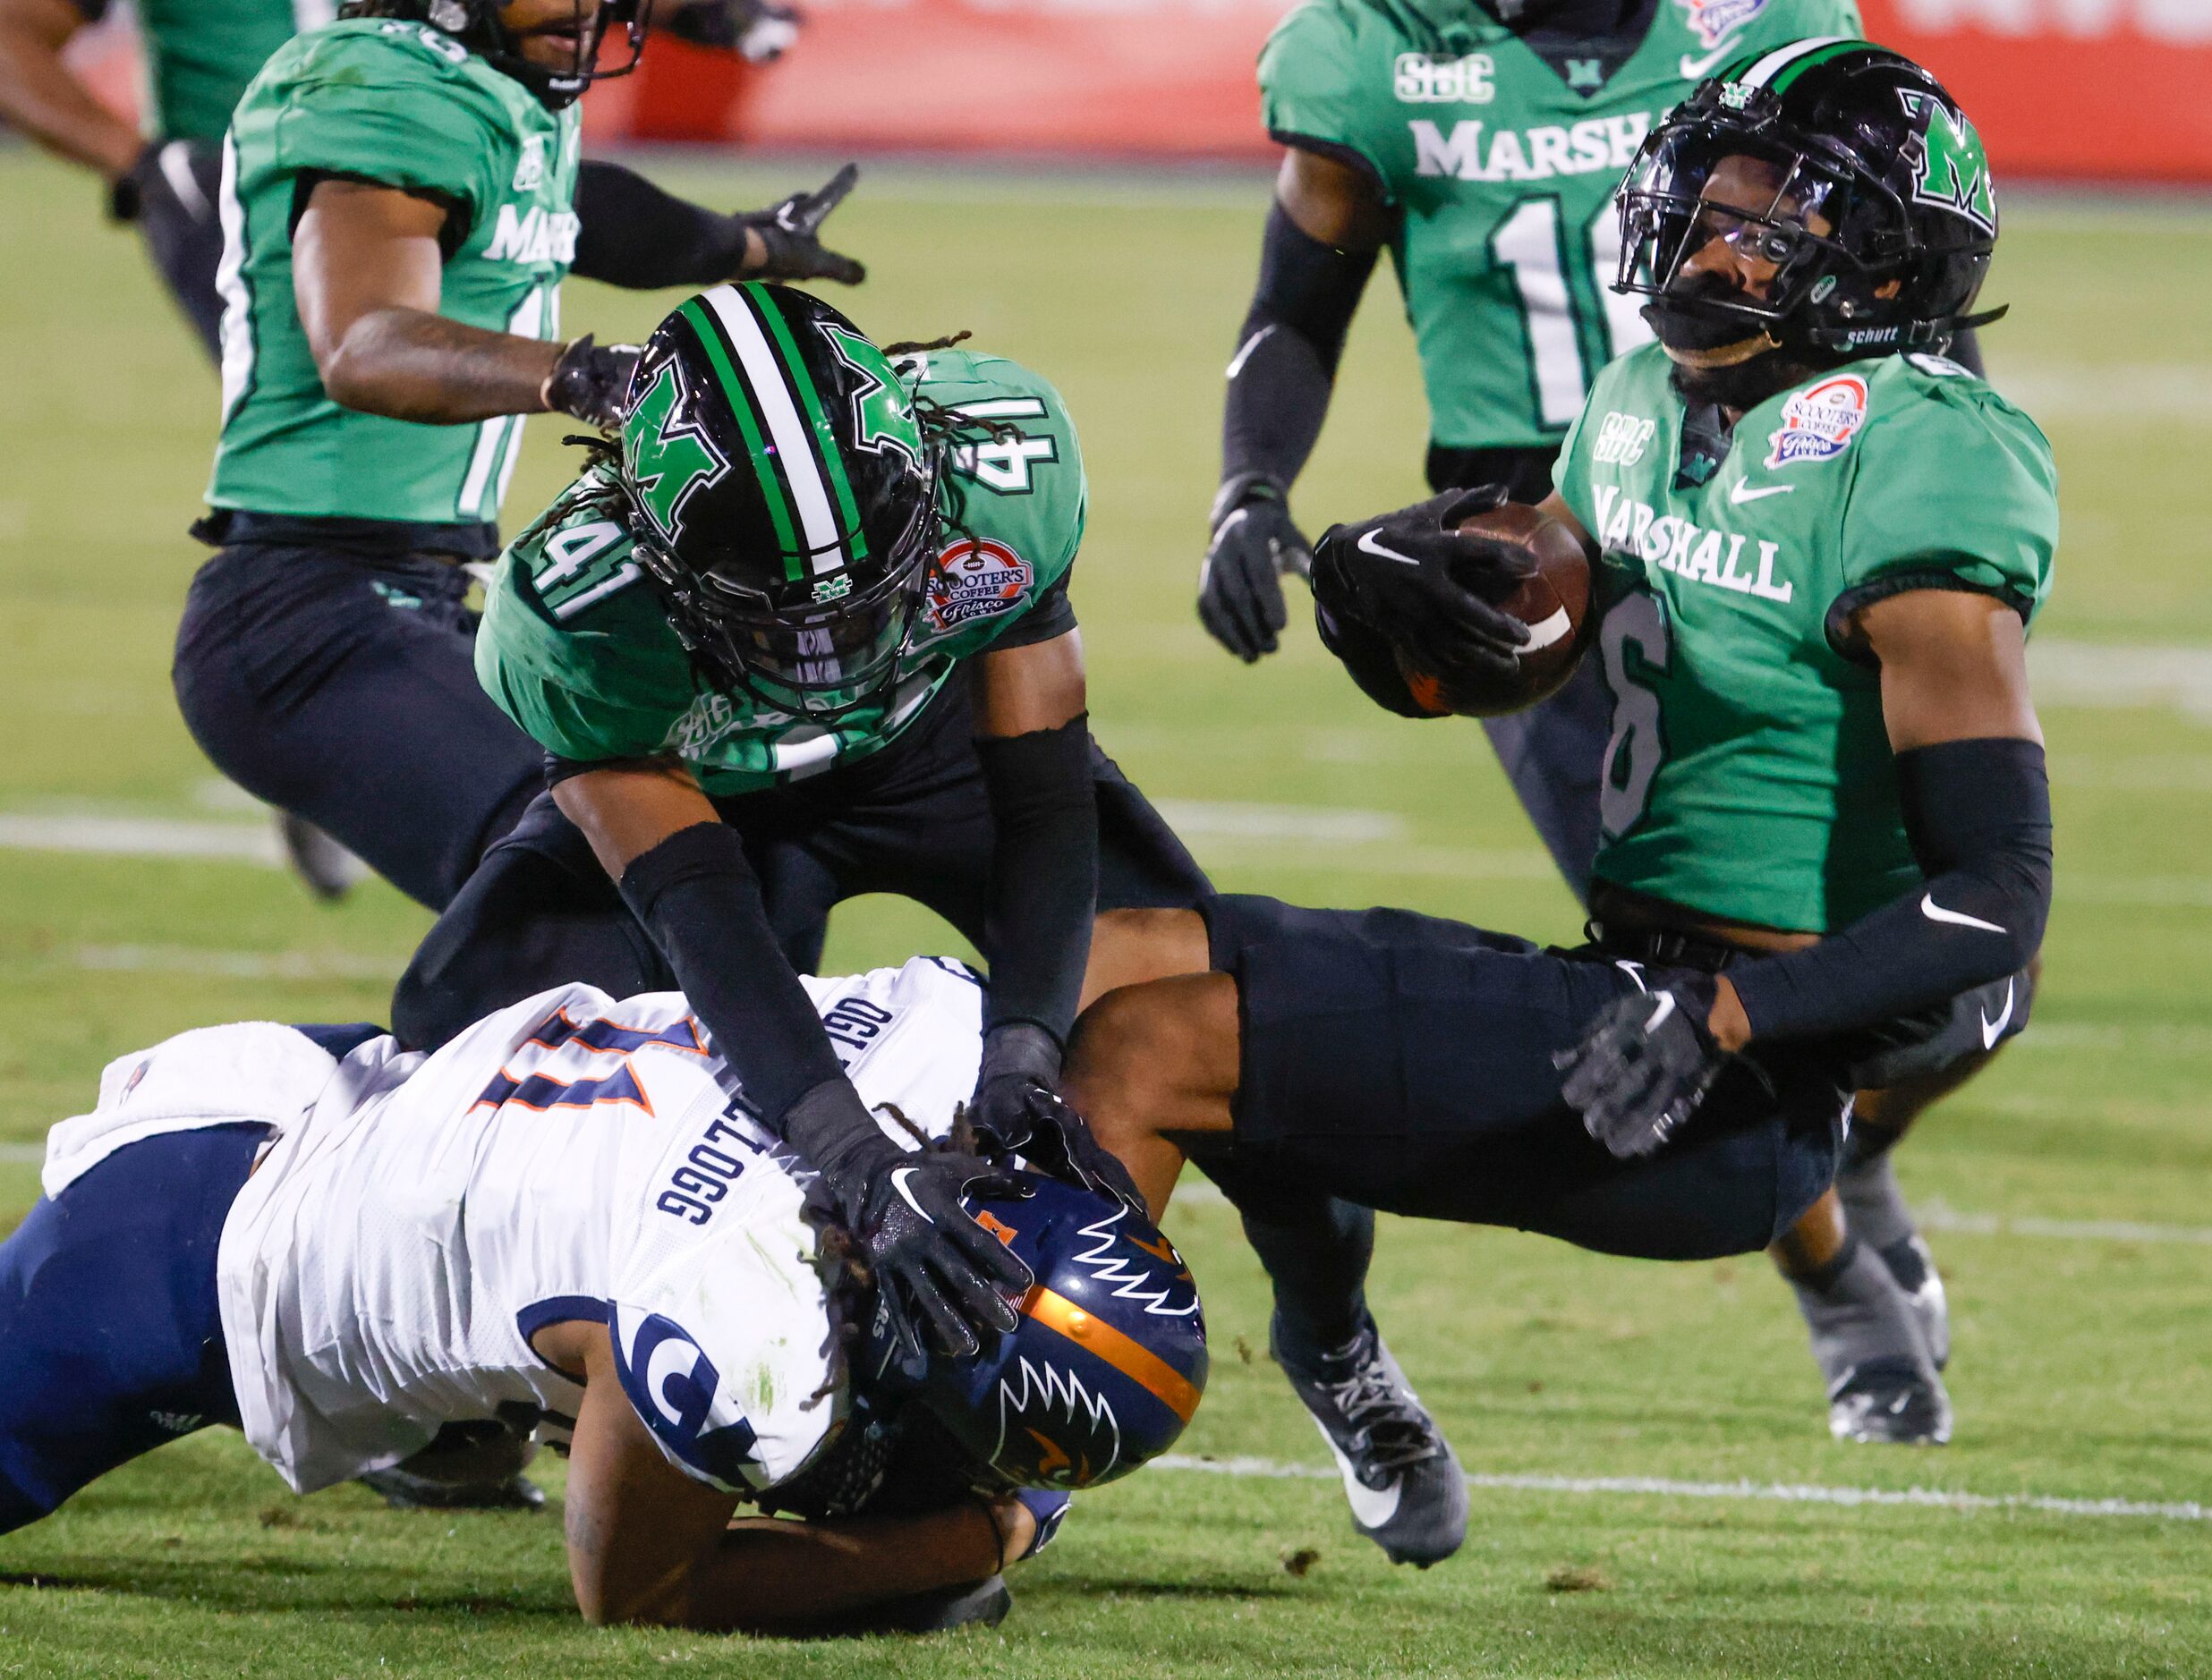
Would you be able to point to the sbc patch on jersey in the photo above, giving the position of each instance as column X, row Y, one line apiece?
column 1716, row 19
column 675, row 1389
column 976, row 578
column 1819, row 422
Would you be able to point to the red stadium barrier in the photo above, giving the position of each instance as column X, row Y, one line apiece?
column 2061, row 89
column 2070, row 89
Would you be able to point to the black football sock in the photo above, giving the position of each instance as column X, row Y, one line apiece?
column 1318, row 1265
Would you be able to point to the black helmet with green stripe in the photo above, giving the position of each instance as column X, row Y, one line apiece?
column 1847, row 180
column 783, row 497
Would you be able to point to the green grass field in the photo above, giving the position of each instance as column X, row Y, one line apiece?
column 2069, row 1182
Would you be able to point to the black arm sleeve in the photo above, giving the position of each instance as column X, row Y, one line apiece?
column 1043, row 872
column 1978, row 813
column 630, row 233
column 1286, row 361
column 699, row 898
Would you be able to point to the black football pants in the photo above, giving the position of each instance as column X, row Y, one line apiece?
column 343, row 689
column 911, row 819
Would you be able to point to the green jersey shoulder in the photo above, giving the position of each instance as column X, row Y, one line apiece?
column 1749, row 773
column 401, row 105
column 1503, row 169
column 575, row 648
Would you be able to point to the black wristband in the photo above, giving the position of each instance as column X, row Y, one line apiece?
column 631, row 234
column 698, row 897
column 1978, row 815
column 1043, row 872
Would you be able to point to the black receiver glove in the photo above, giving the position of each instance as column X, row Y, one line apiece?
column 789, row 231
column 938, row 1276
column 592, row 382
column 1415, row 579
column 1241, row 585
column 1019, row 1110
column 1643, row 1065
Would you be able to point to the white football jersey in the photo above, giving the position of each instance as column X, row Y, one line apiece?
column 573, row 1157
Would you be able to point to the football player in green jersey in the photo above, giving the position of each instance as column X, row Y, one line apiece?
column 402, row 196
column 1827, row 834
column 807, row 635
column 1479, row 141
column 165, row 176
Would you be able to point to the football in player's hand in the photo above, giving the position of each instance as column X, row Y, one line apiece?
column 1553, row 600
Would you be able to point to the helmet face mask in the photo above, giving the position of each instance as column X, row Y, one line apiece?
column 1831, row 196
column 486, row 28
column 826, row 646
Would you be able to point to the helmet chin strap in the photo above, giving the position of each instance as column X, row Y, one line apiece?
column 1723, row 355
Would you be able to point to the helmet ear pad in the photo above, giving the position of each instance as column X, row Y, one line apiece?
column 1106, row 1363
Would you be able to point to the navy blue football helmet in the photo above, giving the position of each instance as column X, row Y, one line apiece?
column 1107, row 1362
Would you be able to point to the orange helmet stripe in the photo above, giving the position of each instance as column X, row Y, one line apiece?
column 1132, row 1359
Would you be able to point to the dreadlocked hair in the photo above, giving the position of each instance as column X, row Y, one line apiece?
column 945, row 433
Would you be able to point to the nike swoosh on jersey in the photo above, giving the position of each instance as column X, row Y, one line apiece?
column 1992, row 1030
column 1372, row 1507
column 1368, row 545
column 1935, row 912
column 1699, row 69
column 1742, row 493
column 1658, row 1015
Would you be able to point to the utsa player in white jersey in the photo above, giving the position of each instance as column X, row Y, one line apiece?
column 561, row 1223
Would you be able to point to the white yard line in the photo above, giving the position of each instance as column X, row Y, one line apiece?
column 1312, row 825
column 142, row 837
column 22, row 1154
column 1775, row 1492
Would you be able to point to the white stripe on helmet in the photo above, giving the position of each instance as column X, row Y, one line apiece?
column 787, row 429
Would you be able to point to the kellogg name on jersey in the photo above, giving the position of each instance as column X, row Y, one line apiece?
column 1593, row 145
column 976, row 578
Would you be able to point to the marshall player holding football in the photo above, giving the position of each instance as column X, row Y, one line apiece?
column 1826, row 829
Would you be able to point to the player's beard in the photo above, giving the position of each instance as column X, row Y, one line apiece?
column 1729, row 360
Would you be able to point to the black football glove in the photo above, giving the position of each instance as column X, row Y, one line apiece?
column 759, row 29
column 592, row 382
column 934, row 1268
column 1414, row 578
column 788, row 232
column 1017, row 1110
column 1241, row 585
column 1643, row 1065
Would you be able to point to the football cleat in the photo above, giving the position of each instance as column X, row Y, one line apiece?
column 1913, row 1266
column 1406, row 1490
column 1891, row 1404
column 404, row 1492
column 1867, row 1338
column 328, row 868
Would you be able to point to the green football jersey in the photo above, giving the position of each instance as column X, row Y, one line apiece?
column 576, row 648
column 1749, row 775
column 400, row 104
column 201, row 54
column 1504, row 173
